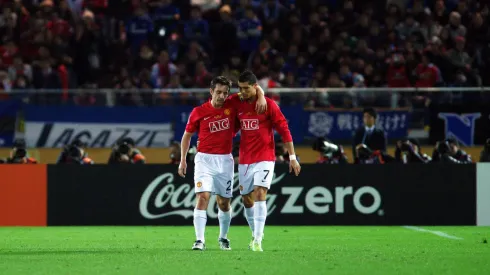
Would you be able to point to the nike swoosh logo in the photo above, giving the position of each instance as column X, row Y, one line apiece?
column 206, row 118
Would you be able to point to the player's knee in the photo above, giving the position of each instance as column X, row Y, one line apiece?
column 202, row 200
column 248, row 201
column 223, row 203
column 260, row 193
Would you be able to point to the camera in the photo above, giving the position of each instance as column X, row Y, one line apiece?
column 191, row 154
column 486, row 147
column 330, row 153
column 19, row 153
column 74, row 154
column 406, row 146
column 443, row 147
column 124, row 152
column 485, row 153
column 123, row 148
column 175, row 155
column 364, row 152
column 325, row 147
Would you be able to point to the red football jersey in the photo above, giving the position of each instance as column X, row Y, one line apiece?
column 215, row 127
column 429, row 76
column 397, row 77
column 257, row 131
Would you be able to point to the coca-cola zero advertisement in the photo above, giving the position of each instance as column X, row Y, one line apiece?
column 321, row 195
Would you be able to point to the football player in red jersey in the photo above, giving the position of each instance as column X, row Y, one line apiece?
column 257, row 153
column 214, row 166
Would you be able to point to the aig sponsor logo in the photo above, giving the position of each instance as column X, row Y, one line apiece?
column 249, row 124
column 219, row 125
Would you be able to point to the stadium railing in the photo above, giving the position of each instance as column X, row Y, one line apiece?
column 340, row 105
column 328, row 97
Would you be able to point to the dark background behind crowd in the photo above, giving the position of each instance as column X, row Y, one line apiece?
column 162, row 44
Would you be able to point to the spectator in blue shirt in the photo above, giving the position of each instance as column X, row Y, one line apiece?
column 249, row 32
column 197, row 29
column 139, row 29
column 165, row 14
column 273, row 10
column 304, row 71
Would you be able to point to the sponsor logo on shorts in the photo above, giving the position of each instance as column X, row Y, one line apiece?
column 199, row 184
column 241, row 187
column 227, row 112
column 219, row 125
column 249, row 124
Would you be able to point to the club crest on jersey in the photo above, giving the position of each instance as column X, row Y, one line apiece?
column 219, row 125
column 227, row 112
column 249, row 124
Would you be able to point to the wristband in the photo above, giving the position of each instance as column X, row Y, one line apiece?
column 292, row 157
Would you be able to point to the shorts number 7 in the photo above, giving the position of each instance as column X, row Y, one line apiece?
column 266, row 174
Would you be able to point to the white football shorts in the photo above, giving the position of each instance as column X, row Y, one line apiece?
column 255, row 174
column 214, row 173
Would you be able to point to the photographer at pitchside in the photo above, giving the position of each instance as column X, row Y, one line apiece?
column 126, row 152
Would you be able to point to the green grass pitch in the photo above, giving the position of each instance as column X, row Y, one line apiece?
column 287, row 250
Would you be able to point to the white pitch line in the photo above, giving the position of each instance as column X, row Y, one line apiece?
column 438, row 233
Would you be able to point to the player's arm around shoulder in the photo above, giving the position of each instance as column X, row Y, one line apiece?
column 261, row 105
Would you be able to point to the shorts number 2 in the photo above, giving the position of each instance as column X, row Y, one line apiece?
column 228, row 189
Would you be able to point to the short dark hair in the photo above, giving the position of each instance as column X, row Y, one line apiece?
column 370, row 111
column 221, row 80
column 247, row 76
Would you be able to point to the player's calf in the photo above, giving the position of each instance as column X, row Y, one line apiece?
column 224, row 218
column 248, row 204
column 260, row 215
column 200, row 219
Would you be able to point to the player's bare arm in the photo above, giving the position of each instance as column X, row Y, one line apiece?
column 184, row 148
column 293, row 162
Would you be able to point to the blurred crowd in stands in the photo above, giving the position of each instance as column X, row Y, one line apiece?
column 163, row 44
